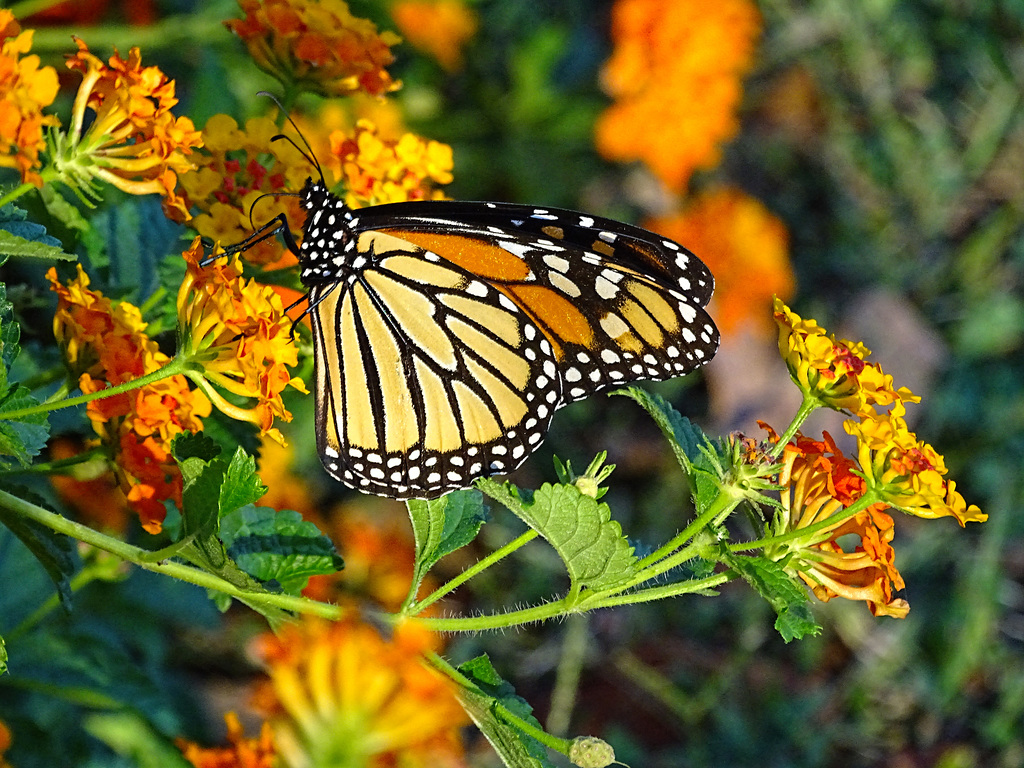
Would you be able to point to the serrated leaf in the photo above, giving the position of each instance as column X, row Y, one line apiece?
column 441, row 526
column 278, row 546
column 516, row 749
column 54, row 551
column 579, row 527
column 241, row 485
column 23, row 437
column 187, row 445
column 688, row 442
column 3, row 656
column 684, row 436
column 786, row 595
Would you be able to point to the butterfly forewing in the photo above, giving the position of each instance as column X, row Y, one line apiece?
column 426, row 376
column 447, row 334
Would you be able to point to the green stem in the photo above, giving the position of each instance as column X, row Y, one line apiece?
column 58, row 466
column 807, row 407
column 551, row 742
column 15, row 193
column 495, row 620
column 871, row 496
column 689, row 587
column 173, row 368
column 469, row 573
column 140, row 557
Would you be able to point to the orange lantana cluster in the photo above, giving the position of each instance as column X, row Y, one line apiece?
column 238, row 334
column 675, row 76
column 106, row 345
column 377, row 171
column 827, row 496
column 25, row 89
column 256, row 752
column 316, row 46
column 133, row 141
column 746, row 249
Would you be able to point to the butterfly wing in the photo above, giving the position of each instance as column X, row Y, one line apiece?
column 617, row 303
column 427, row 376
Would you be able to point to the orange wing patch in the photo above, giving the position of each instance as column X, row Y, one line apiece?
column 488, row 261
column 554, row 313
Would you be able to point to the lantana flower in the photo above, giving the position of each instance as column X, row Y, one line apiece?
column 234, row 169
column 133, row 142
column 834, row 372
column 819, row 483
column 440, row 28
column 236, row 335
column 340, row 694
column 675, row 74
column 25, row 89
column 316, row 46
column 744, row 246
column 241, row 752
column 376, row 170
column 106, row 345
column 907, row 473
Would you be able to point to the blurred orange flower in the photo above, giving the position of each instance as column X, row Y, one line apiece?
column 85, row 12
column 675, row 74
column 25, row 88
column 236, row 331
column 257, row 752
column 133, row 141
column 5, row 743
column 819, row 482
column 439, row 28
column 89, row 488
column 316, row 46
column 105, row 346
column 746, row 249
column 340, row 694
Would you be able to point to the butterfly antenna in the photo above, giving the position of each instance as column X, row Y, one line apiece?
column 252, row 222
column 310, row 155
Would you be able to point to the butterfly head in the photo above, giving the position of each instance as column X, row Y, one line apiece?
column 328, row 241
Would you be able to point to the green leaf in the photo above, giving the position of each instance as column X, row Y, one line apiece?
column 23, row 437
column 63, row 211
column 278, row 546
column 516, row 749
column 194, row 444
column 242, row 485
column 786, row 595
column 689, row 443
column 3, row 656
column 20, row 237
column 441, row 526
column 54, row 551
column 131, row 736
column 579, row 527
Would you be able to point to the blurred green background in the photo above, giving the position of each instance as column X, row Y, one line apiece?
column 889, row 138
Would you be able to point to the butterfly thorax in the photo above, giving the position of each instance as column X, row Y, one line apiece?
column 328, row 250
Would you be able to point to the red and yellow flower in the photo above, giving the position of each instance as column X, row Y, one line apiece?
column 133, row 141
column 106, row 345
column 819, row 483
column 675, row 73
column 25, row 89
column 907, row 473
column 744, row 246
column 236, row 332
column 834, row 372
column 340, row 694
column 316, row 46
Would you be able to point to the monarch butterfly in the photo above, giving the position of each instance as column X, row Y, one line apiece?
column 446, row 334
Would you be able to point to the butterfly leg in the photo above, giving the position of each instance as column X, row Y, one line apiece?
column 278, row 224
